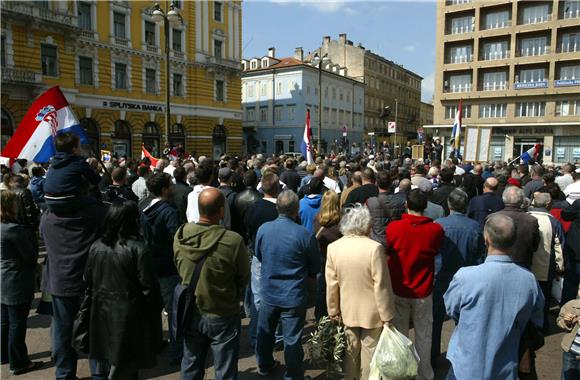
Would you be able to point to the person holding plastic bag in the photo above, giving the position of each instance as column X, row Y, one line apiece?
column 358, row 290
column 492, row 304
column 395, row 357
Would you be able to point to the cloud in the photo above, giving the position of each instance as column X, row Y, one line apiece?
column 428, row 87
column 409, row 48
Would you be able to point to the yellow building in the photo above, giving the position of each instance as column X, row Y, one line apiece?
column 108, row 57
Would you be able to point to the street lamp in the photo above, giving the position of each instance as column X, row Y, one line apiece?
column 316, row 61
column 171, row 18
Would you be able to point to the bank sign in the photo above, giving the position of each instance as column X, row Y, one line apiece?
column 133, row 106
column 526, row 85
column 566, row 82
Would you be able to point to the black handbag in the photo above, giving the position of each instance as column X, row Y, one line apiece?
column 81, row 325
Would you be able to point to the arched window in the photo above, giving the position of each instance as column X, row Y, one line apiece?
column 7, row 128
column 92, row 131
column 219, row 137
column 122, row 139
column 177, row 137
column 151, row 138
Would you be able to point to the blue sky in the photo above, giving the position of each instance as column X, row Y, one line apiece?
column 402, row 31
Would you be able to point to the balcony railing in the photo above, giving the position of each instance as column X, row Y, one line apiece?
column 536, row 20
column 493, row 56
column 500, row 86
column 575, row 13
column 534, row 51
column 121, row 41
column 152, row 48
column 462, row 29
column 223, row 62
column 20, row 76
column 458, row 88
column 178, row 54
column 569, row 48
column 57, row 16
column 87, row 34
column 457, row 2
column 460, row 58
column 498, row 25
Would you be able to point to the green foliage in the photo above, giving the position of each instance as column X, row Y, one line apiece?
column 327, row 344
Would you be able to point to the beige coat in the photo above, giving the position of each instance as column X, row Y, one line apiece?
column 571, row 307
column 358, row 284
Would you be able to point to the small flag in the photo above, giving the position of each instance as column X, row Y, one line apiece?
column 49, row 116
column 105, row 155
column 306, row 146
column 531, row 153
column 145, row 153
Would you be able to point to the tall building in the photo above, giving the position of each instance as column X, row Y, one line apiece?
column 387, row 85
column 277, row 92
column 108, row 57
column 516, row 66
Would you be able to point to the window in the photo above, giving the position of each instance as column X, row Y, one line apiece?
column 572, row 9
column 263, row 89
column 217, row 48
column 291, row 110
column 219, row 90
column 250, row 114
column 570, row 42
column 531, row 75
column 49, row 60
column 264, row 114
column 493, row 81
column 325, row 92
column 570, row 72
column 121, row 76
column 217, row 11
column 568, row 108
column 451, row 111
column 333, row 93
column 462, row 24
column 3, row 52
column 495, row 50
column 533, row 46
column 278, row 113
column 150, row 81
column 176, row 40
column 278, row 88
column 530, row 109
column 150, row 33
column 497, row 19
column 308, row 89
column 251, row 91
column 119, row 25
column 535, row 14
column 460, row 54
column 253, row 65
column 460, row 83
column 84, row 13
column 86, row 70
column 492, row 110
column 177, row 84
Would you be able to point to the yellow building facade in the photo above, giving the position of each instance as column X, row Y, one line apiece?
column 108, row 57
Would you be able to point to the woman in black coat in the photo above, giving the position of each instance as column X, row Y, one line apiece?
column 18, row 255
column 125, row 310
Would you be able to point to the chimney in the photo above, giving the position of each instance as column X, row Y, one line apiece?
column 342, row 38
column 299, row 54
column 272, row 52
column 325, row 40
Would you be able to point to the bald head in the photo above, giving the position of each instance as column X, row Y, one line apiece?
column 490, row 185
column 319, row 173
column 478, row 169
column 499, row 233
column 211, row 203
column 405, row 185
column 357, row 177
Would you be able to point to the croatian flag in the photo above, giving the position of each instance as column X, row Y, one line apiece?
column 306, row 146
column 531, row 153
column 145, row 153
column 47, row 117
column 456, row 132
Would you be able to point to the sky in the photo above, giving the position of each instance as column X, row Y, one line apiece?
column 401, row 31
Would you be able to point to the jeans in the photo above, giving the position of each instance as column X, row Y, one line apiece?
column 222, row 336
column 570, row 367
column 571, row 279
column 546, row 287
column 256, row 275
column 14, row 335
column 292, row 321
column 102, row 370
column 168, row 285
column 65, row 357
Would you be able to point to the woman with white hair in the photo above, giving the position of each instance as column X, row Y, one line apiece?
column 358, row 289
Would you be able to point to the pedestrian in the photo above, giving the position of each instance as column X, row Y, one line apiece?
column 139, row 187
column 180, row 192
column 354, row 182
column 487, row 203
column 290, row 177
column 411, row 265
column 384, row 208
column 224, row 179
column 445, row 188
column 310, row 204
column 463, row 246
column 359, row 290
column 571, row 252
column 18, row 258
column 287, row 259
column 492, row 304
column 326, row 230
column 225, row 270
column 28, row 213
column 566, row 178
column 204, row 177
column 569, row 320
column 36, row 187
column 364, row 192
column 125, row 308
column 537, row 181
column 245, row 199
column 119, row 188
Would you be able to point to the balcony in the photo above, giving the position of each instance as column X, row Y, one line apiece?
column 460, row 59
column 530, row 85
column 87, row 34
column 567, row 82
column 178, row 54
column 53, row 16
column 495, row 55
column 152, row 48
column 224, row 63
column 536, row 20
column 121, row 41
column 574, row 13
column 457, row 2
column 461, row 29
column 498, row 25
column 499, row 86
column 11, row 75
column 457, row 89
column 534, row 51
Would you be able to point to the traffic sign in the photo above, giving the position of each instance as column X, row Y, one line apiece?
column 392, row 127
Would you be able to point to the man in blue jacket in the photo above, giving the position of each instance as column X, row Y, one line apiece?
column 287, row 259
column 310, row 204
column 487, row 203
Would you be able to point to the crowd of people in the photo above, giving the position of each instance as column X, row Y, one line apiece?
column 385, row 242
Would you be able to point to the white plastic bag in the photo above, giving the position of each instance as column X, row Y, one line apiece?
column 394, row 358
column 557, row 286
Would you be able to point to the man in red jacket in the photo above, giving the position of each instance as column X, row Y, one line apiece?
column 412, row 244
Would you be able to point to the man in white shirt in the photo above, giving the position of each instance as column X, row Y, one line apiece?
column 566, row 178
column 204, row 175
column 572, row 191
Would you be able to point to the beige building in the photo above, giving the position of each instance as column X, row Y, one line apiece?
column 426, row 114
column 386, row 84
column 516, row 66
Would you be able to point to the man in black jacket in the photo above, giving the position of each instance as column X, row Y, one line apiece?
column 180, row 192
column 441, row 194
column 384, row 208
column 245, row 199
column 119, row 188
column 290, row 177
column 160, row 223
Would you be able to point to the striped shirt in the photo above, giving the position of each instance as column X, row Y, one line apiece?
column 575, row 348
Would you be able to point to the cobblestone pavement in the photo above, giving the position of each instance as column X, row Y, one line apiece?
column 549, row 357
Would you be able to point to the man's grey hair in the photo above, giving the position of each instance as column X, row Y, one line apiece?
column 287, row 203
column 356, row 221
column 458, row 200
column 542, row 200
column 513, row 195
column 500, row 230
